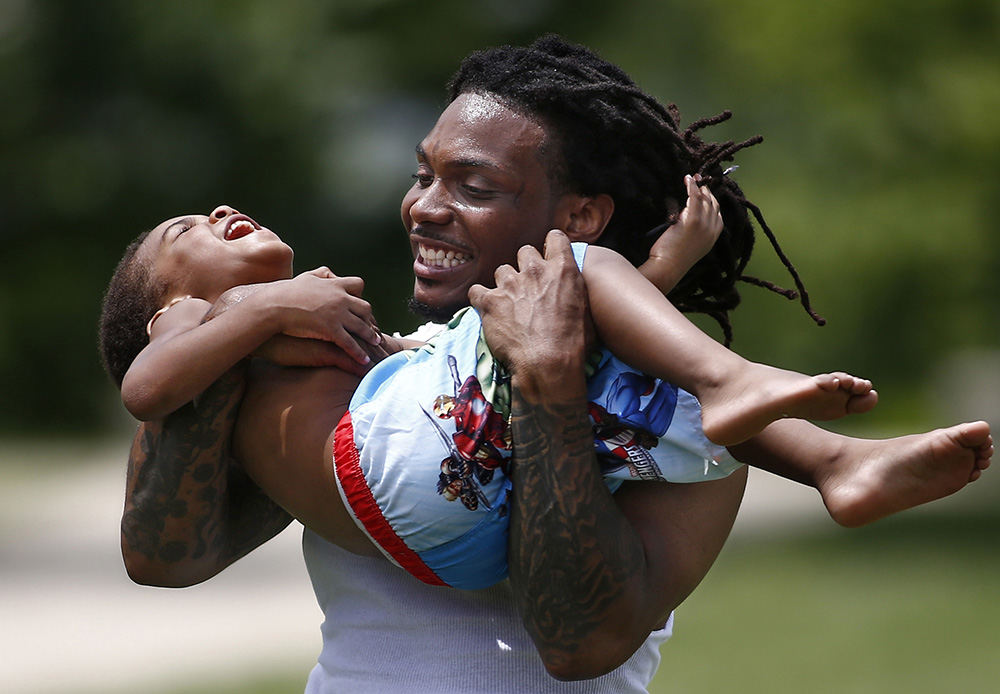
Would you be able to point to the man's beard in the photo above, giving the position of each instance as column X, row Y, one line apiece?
column 437, row 314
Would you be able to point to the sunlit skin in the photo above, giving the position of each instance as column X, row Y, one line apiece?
column 203, row 256
column 672, row 531
column 481, row 191
column 482, row 194
column 195, row 259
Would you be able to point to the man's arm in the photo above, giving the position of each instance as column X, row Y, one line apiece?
column 593, row 574
column 189, row 510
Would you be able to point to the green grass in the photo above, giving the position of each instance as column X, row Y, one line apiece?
column 909, row 605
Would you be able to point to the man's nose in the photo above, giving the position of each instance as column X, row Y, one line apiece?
column 432, row 206
column 221, row 212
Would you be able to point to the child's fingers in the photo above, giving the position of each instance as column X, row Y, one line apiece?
column 693, row 189
column 361, row 326
column 350, row 345
column 367, row 331
column 699, row 199
column 702, row 204
column 322, row 271
column 355, row 286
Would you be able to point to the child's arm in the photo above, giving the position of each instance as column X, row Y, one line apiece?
column 639, row 325
column 186, row 353
column 285, row 350
column 738, row 397
column 687, row 240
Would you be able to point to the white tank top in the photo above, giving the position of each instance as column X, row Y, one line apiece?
column 384, row 631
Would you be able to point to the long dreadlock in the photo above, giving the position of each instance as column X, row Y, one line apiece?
column 610, row 137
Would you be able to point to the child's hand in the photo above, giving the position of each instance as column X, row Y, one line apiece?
column 687, row 240
column 322, row 306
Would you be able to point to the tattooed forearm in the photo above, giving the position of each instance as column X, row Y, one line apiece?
column 189, row 510
column 570, row 558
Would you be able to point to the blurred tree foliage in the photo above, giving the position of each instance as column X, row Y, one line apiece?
column 879, row 171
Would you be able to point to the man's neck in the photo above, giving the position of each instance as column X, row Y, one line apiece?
column 432, row 313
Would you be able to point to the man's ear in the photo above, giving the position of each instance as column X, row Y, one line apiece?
column 584, row 217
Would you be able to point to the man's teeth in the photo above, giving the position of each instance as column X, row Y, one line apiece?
column 441, row 258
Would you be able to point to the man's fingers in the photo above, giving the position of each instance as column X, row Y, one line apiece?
column 557, row 244
column 505, row 271
column 476, row 295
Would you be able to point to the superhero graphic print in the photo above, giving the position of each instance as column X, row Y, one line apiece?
column 479, row 445
column 641, row 410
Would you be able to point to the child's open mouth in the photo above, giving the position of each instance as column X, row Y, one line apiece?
column 239, row 227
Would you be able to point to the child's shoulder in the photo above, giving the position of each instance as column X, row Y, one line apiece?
column 180, row 312
column 599, row 259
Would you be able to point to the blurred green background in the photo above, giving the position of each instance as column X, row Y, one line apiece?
column 880, row 170
column 880, row 174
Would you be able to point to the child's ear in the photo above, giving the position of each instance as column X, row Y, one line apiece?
column 585, row 217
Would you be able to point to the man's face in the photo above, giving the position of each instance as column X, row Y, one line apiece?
column 481, row 191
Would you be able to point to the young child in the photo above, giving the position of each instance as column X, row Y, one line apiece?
column 399, row 461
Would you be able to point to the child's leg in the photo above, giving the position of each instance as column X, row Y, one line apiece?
column 738, row 397
column 863, row 480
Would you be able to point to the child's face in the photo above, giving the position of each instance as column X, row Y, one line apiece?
column 204, row 256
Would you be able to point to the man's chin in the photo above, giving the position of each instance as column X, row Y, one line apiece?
column 436, row 314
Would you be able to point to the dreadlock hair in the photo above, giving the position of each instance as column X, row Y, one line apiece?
column 131, row 298
column 608, row 136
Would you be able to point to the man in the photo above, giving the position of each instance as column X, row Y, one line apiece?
column 530, row 142
column 190, row 512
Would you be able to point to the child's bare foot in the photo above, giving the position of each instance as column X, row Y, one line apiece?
column 740, row 408
column 873, row 479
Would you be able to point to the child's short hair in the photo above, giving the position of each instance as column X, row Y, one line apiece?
column 131, row 298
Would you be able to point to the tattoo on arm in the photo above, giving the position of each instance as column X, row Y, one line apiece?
column 569, row 563
column 187, row 500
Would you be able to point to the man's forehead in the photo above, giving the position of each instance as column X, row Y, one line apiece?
column 483, row 129
column 475, row 107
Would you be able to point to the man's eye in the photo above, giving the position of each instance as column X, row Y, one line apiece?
column 422, row 179
column 477, row 192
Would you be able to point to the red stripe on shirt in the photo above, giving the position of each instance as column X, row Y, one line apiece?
column 347, row 463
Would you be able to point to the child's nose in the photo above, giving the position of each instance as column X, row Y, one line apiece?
column 221, row 212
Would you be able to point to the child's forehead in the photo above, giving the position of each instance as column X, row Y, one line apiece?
column 150, row 247
column 162, row 227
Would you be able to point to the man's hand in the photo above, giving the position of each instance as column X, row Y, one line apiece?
column 535, row 320
column 591, row 577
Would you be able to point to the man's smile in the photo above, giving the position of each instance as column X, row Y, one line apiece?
column 440, row 258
